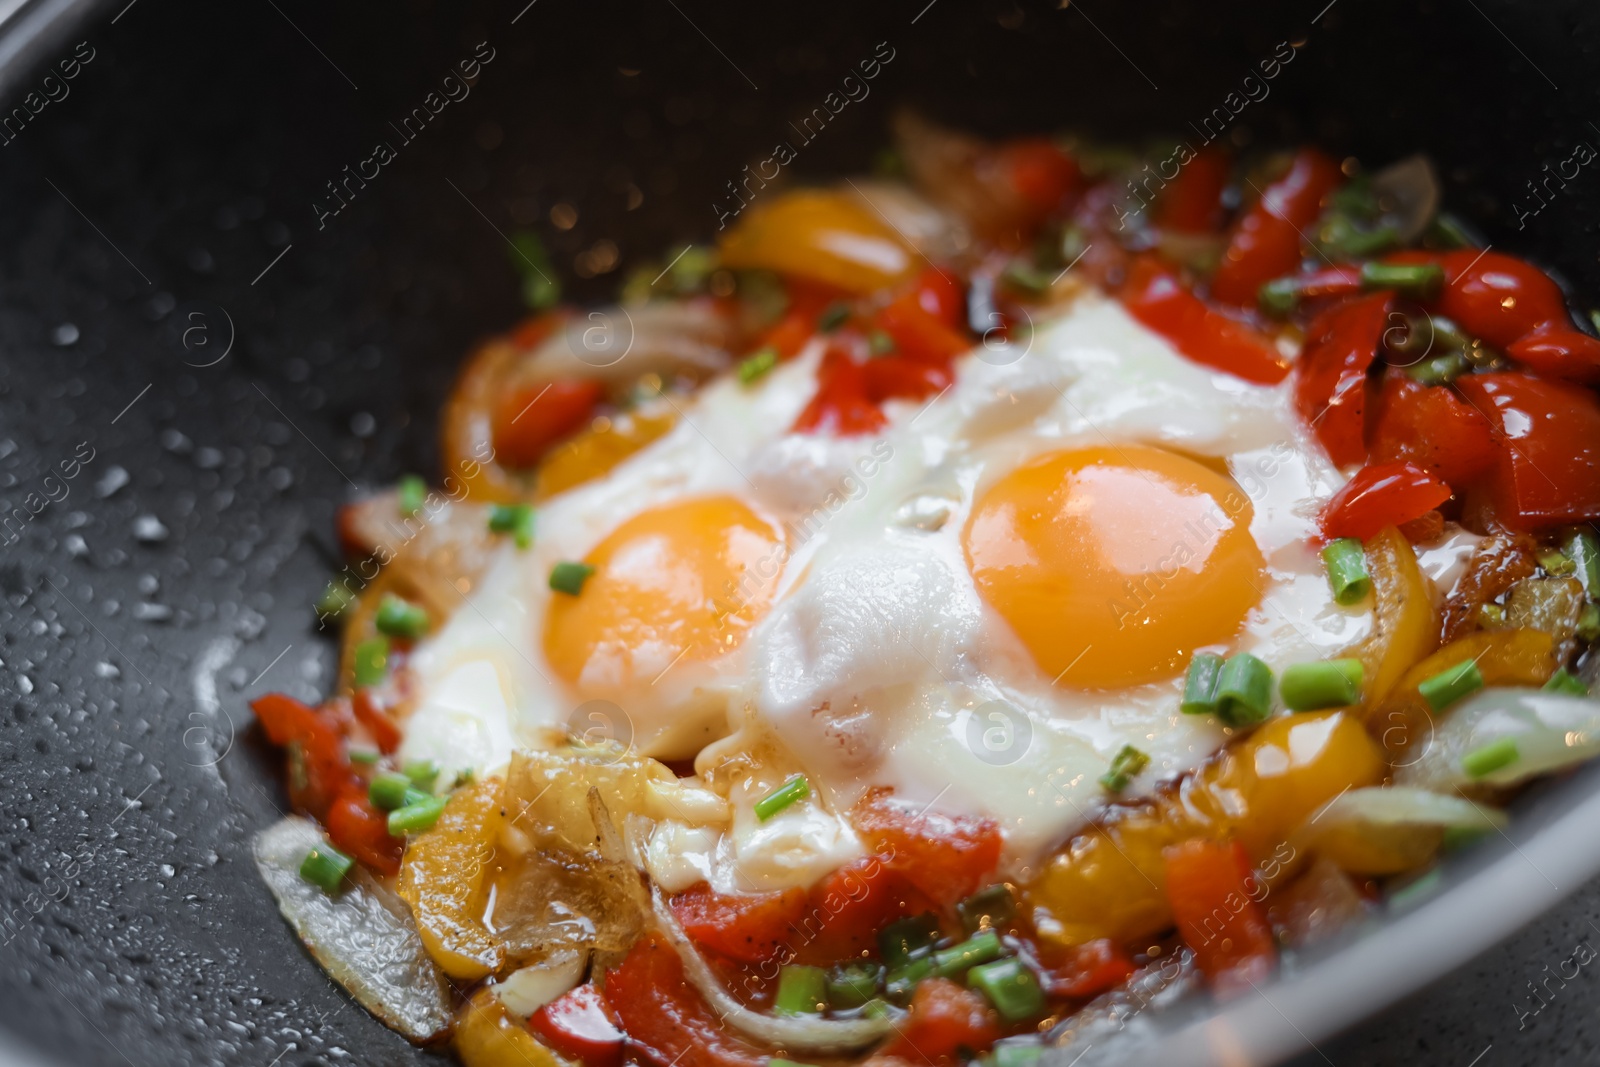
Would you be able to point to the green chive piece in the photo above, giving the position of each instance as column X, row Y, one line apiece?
column 411, row 492
column 422, row 772
column 1555, row 561
column 1025, row 274
column 516, row 519
column 1125, row 765
column 1346, row 561
column 414, row 818
column 364, row 756
column 1440, row 370
column 795, row 789
column 835, row 316
column 1589, row 623
column 1413, row 279
column 1244, row 690
column 1280, row 296
column 1564, row 681
column 568, row 577
column 879, row 343
column 401, row 618
column 987, row 908
column 393, row 791
column 979, row 948
column 326, row 867
column 902, row 982
column 334, row 601
column 1014, row 1054
column 1010, row 987
column 372, row 662
column 540, row 290
column 906, row 939
column 1451, row 684
column 1334, row 683
column 801, row 990
column 1486, row 759
column 1584, row 551
column 1200, row 684
column 756, row 366
column 851, row 985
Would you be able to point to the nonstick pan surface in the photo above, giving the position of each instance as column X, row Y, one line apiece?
column 219, row 360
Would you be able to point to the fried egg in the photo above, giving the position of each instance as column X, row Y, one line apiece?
column 977, row 608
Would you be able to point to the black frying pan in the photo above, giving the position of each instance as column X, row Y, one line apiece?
column 219, row 360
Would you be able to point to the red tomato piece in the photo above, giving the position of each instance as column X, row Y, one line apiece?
column 1389, row 494
column 362, row 831
column 666, row 1019
column 1330, row 389
column 841, row 405
column 798, row 323
column 1210, row 887
column 1265, row 241
column 1432, row 427
column 1558, row 352
column 1156, row 298
column 1547, row 433
column 944, row 856
column 850, row 906
column 1042, row 174
column 527, row 421
column 744, row 928
column 919, row 335
column 895, row 377
column 580, row 1025
column 1192, row 202
column 1089, row 970
column 380, row 724
column 318, row 750
column 1496, row 297
column 947, row 1023
column 940, row 294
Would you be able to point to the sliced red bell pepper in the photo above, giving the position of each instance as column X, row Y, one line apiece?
column 1493, row 296
column 947, row 1023
column 841, row 405
column 1156, row 297
column 1041, row 173
column 666, row 1020
column 386, row 733
column 898, row 378
column 920, row 335
column 1389, row 494
column 1432, row 427
column 317, row 750
column 940, row 294
column 849, row 906
column 1559, row 352
column 1089, row 970
column 1265, row 241
column 527, row 421
column 1330, row 388
column 944, row 856
column 1192, row 202
column 744, row 928
column 1547, row 433
column 581, row 1026
column 1210, row 889
column 362, row 831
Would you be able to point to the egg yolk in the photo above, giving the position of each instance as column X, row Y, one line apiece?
column 677, row 584
column 1114, row 564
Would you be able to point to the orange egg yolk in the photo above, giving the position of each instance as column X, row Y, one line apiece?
column 1114, row 564
column 675, row 585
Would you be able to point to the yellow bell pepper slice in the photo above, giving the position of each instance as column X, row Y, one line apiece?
column 822, row 237
column 593, row 452
column 486, row 1036
column 1405, row 621
column 443, row 877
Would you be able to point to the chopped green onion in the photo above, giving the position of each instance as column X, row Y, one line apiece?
column 905, row 939
column 801, row 990
column 540, row 290
column 1024, row 274
column 795, row 789
column 903, row 981
column 1014, row 1054
column 1127, row 763
column 1421, row 280
column 1584, row 550
column 1564, row 681
column 1244, row 690
column 987, row 908
column 1333, row 683
column 400, row 618
column 414, row 818
column 756, row 366
column 979, row 948
column 1280, row 296
column 568, row 577
column 1346, row 561
column 334, row 601
column 1344, row 240
column 1555, row 561
column 364, row 756
column 411, row 492
column 879, row 343
column 833, row 317
column 1589, row 623
column 514, row 519
column 694, row 265
column 1010, row 987
column 1440, row 370
column 422, row 772
column 1451, row 684
column 326, row 867
column 851, row 985
column 1486, row 759
column 392, row 791
column 372, row 662
column 1200, row 684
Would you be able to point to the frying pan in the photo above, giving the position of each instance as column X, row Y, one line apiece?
column 219, row 360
